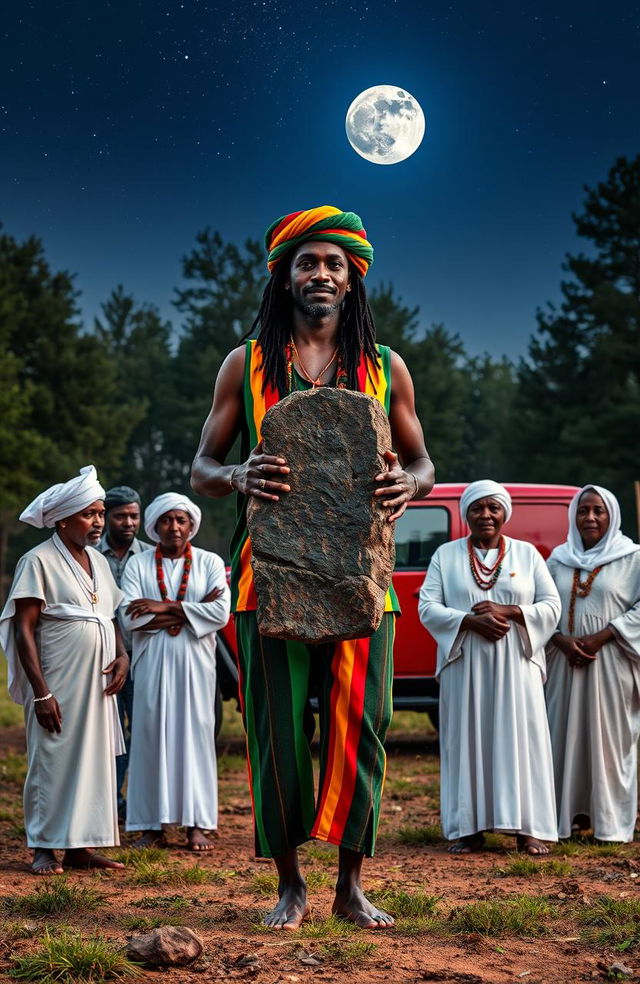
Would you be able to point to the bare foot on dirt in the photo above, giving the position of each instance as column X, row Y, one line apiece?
column 83, row 858
column 355, row 907
column 526, row 844
column 468, row 845
column 197, row 840
column 150, row 838
column 45, row 863
column 291, row 910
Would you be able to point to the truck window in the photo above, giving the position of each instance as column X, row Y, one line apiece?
column 419, row 532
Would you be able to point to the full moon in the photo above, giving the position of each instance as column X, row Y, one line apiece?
column 385, row 124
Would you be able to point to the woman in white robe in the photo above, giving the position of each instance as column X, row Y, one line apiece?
column 593, row 689
column 172, row 765
column 496, row 764
column 59, row 638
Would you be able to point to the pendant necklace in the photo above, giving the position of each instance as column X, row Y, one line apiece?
column 78, row 571
column 303, row 372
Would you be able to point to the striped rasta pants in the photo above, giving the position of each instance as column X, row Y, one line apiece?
column 353, row 681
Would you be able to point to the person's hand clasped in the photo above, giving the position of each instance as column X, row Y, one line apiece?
column 49, row 715
column 398, row 489
column 119, row 667
column 489, row 620
column 577, row 655
column 258, row 475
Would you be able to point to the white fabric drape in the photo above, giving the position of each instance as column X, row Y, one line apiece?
column 496, row 765
column 594, row 711
column 172, row 762
column 70, row 788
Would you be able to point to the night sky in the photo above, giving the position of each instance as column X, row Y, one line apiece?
column 126, row 127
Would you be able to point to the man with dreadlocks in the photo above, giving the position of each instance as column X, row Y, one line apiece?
column 314, row 328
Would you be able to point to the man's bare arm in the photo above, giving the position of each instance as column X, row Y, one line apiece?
column 209, row 474
column 47, row 711
column 411, row 473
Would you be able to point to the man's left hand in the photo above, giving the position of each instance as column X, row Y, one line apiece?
column 399, row 487
column 119, row 667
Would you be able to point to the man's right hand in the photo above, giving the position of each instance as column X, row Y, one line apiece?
column 49, row 715
column 257, row 476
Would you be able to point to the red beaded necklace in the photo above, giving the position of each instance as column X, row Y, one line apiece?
column 174, row 630
column 579, row 589
column 291, row 353
column 485, row 577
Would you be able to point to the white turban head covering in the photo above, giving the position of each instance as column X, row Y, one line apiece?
column 481, row 490
column 165, row 503
column 64, row 499
column 613, row 545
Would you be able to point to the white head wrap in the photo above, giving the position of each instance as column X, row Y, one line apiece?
column 613, row 545
column 480, row 490
column 165, row 503
column 64, row 499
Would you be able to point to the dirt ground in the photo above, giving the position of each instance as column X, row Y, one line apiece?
column 431, row 888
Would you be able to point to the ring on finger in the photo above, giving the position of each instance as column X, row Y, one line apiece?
column 261, row 483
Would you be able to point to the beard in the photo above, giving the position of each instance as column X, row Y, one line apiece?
column 316, row 311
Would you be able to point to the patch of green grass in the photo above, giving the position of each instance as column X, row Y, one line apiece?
column 412, row 723
column 55, row 897
column 68, row 958
column 264, row 885
column 175, row 903
column 148, row 873
column 568, row 848
column 331, row 928
column 522, row 866
column 144, row 924
column 10, row 815
column 404, row 788
column 13, row 768
column 521, row 915
column 232, row 727
column 406, row 903
column 11, row 714
column 323, row 854
column 348, row 953
column 222, row 875
column 229, row 763
column 418, row 926
column 134, row 857
column 605, row 850
column 430, row 834
column 611, row 922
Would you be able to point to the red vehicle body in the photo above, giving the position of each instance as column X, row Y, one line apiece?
column 539, row 516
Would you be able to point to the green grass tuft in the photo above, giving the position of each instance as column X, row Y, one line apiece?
column 419, row 926
column 134, row 857
column 68, row 958
column 406, row 903
column 147, row 873
column 431, row 834
column 175, row 903
column 521, row 915
column 526, row 867
column 54, row 898
column 324, row 854
column 348, row 953
column 331, row 928
column 611, row 922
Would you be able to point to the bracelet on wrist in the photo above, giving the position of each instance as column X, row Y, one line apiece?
column 36, row 700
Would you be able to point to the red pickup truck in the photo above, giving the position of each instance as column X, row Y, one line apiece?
column 539, row 516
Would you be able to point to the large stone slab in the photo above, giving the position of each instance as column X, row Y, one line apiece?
column 323, row 555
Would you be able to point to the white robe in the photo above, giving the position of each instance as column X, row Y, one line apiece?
column 70, row 788
column 172, row 763
column 496, row 764
column 594, row 711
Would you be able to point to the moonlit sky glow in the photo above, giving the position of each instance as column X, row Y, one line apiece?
column 127, row 127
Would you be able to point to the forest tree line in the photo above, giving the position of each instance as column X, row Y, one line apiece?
column 130, row 393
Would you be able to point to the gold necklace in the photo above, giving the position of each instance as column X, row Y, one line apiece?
column 303, row 372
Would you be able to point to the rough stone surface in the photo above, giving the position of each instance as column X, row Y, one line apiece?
column 323, row 555
column 168, row 946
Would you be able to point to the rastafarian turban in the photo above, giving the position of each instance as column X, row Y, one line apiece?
column 324, row 223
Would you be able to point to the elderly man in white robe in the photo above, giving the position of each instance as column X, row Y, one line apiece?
column 593, row 690
column 176, row 598
column 66, row 664
column 491, row 605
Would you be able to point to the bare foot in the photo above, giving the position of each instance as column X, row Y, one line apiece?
column 197, row 840
column 150, row 838
column 83, row 858
column 468, row 844
column 530, row 845
column 355, row 906
column 45, row 862
column 291, row 910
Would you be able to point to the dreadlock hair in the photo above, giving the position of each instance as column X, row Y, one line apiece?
column 274, row 324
